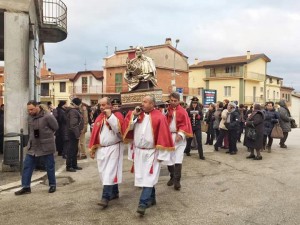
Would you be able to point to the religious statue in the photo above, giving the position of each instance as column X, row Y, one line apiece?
column 140, row 69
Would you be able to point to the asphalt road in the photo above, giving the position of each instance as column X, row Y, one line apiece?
column 223, row 190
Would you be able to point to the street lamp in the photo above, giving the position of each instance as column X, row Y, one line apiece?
column 173, row 82
column 52, row 75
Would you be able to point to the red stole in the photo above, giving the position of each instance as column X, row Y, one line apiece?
column 99, row 122
column 183, row 123
column 160, row 129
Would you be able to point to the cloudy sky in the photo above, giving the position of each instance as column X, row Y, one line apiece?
column 207, row 30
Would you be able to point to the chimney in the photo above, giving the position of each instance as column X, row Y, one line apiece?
column 248, row 55
column 168, row 41
column 196, row 61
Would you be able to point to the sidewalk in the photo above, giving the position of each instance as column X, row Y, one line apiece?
column 9, row 180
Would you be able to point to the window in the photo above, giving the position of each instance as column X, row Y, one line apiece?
column 62, row 86
column 84, row 84
column 45, row 89
column 277, row 81
column 271, row 81
column 261, row 89
column 200, row 91
column 118, row 82
column 230, row 69
column 227, row 91
column 282, row 95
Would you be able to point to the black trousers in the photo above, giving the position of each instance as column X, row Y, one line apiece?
column 72, row 151
column 232, row 138
column 285, row 136
column 270, row 141
column 198, row 134
column 221, row 138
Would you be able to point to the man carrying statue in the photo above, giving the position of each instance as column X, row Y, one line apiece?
column 140, row 69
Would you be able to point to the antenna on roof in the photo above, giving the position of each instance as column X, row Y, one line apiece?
column 85, row 64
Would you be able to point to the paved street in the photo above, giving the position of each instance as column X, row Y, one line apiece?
column 221, row 190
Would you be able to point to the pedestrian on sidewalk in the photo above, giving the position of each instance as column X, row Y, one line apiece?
column 107, row 147
column 147, row 128
column 41, row 144
column 75, row 125
column 271, row 118
column 285, row 122
column 181, row 129
column 82, row 142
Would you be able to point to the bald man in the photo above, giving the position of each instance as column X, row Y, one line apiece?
column 107, row 147
column 148, row 130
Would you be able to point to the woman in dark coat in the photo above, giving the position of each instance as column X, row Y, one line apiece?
column 209, row 119
column 285, row 122
column 271, row 118
column 256, row 120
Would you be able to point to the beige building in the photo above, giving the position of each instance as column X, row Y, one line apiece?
column 240, row 78
column 57, row 87
column 295, row 110
column 273, row 85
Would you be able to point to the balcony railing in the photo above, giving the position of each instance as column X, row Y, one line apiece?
column 249, row 76
column 255, row 76
column 54, row 21
column 86, row 90
column 252, row 99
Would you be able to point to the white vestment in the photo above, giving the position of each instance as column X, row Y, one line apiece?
column 145, row 154
column 110, row 153
column 177, row 155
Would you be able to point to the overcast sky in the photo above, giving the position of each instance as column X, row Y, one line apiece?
column 207, row 30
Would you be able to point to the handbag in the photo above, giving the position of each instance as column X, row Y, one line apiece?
column 251, row 133
column 293, row 124
column 204, row 126
column 277, row 131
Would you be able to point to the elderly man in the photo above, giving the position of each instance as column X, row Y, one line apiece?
column 106, row 144
column 180, row 127
column 152, row 143
column 41, row 144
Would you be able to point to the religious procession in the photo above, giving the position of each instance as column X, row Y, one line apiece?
column 152, row 133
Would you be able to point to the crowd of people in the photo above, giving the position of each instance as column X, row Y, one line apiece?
column 156, row 135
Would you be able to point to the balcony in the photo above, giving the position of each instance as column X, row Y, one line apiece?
column 53, row 15
column 225, row 75
column 255, row 76
column 249, row 100
column 86, row 90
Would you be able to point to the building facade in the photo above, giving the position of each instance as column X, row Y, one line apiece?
column 24, row 28
column 240, row 78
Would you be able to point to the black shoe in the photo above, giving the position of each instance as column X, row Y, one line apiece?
column 23, row 191
column 202, row 158
column 188, row 154
column 227, row 152
column 250, row 157
column 103, row 203
column 141, row 210
column 77, row 168
column 171, row 182
column 258, row 158
column 52, row 189
column 71, row 169
column 283, row 146
column 216, row 148
column 232, row 153
column 151, row 203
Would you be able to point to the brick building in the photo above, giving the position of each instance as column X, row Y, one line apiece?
column 167, row 59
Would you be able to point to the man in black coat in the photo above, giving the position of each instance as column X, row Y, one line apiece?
column 75, row 125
